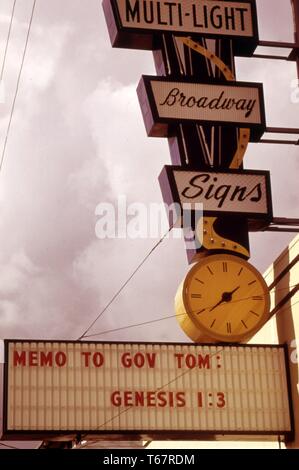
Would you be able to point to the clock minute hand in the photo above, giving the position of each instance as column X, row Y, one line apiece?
column 226, row 297
column 219, row 303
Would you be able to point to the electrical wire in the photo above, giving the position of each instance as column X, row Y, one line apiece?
column 123, row 286
column 84, row 335
column 177, row 377
column 17, row 86
column 127, row 327
column 7, row 40
column 158, row 320
column 114, row 330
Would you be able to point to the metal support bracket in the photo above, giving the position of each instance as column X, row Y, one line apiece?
column 281, row 130
column 282, row 224
column 292, row 56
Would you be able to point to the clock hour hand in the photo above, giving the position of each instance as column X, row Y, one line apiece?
column 232, row 292
column 226, row 297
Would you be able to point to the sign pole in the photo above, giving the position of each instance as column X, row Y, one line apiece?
column 295, row 7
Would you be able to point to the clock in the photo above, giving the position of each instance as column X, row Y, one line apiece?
column 223, row 298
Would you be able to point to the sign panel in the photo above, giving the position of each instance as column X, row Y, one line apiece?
column 64, row 387
column 239, row 192
column 166, row 101
column 133, row 23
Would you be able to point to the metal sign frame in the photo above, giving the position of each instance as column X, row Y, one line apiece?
column 142, row 433
column 171, row 194
column 145, row 39
column 157, row 126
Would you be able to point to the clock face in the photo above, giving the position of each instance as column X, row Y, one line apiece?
column 226, row 298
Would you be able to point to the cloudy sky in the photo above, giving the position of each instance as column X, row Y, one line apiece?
column 77, row 139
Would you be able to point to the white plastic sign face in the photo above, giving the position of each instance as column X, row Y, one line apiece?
column 120, row 387
column 201, row 17
column 137, row 24
column 166, row 102
column 206, row 102
column 224, row 192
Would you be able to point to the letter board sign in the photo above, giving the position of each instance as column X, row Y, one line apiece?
column 66, row 387
column 233, row 192
column 135, row 23
column 166, row 101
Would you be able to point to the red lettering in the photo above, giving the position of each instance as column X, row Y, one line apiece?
column 46, row 359
column 139, row 399
column 19, row 359
column 151, row 359
column 199, row 399
column 148, row 399
column 204, row 361
column 179, row 357
column 98, row 359
column 180, row 396
column 33, row 358
column 60, row 359
column 86, row 356
column 126, row 360
column 151, row 399
column 162, row 401
column 138, row 360
column 39, row 358
column 116, row 398
column 190, row 361
column 221, row 400
column 128, row 398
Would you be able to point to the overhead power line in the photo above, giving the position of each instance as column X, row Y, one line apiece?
column 135, row 325
column 7, row 40
column 158, row 389
column 123, row 286
column 17, row 86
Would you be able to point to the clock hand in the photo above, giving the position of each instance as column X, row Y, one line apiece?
column 219, row 303
column 226, row 297
column 233, row 291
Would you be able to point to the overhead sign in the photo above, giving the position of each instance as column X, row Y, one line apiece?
column 233, row 192
column 67, row 387
column 165, row 102
column 133, row 23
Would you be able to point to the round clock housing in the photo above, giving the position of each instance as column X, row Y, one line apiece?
column 223, row 298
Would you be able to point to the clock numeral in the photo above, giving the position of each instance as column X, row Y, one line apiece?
column 196, row 296
column 243, row 322
column 229, row 328
column 252, row 282
column 198, row 280
column 254, row 313
column 224, row 266
column 257, row 297
column 200, row 311
column 239, row 273
column 213, row 323
column 209, row 269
